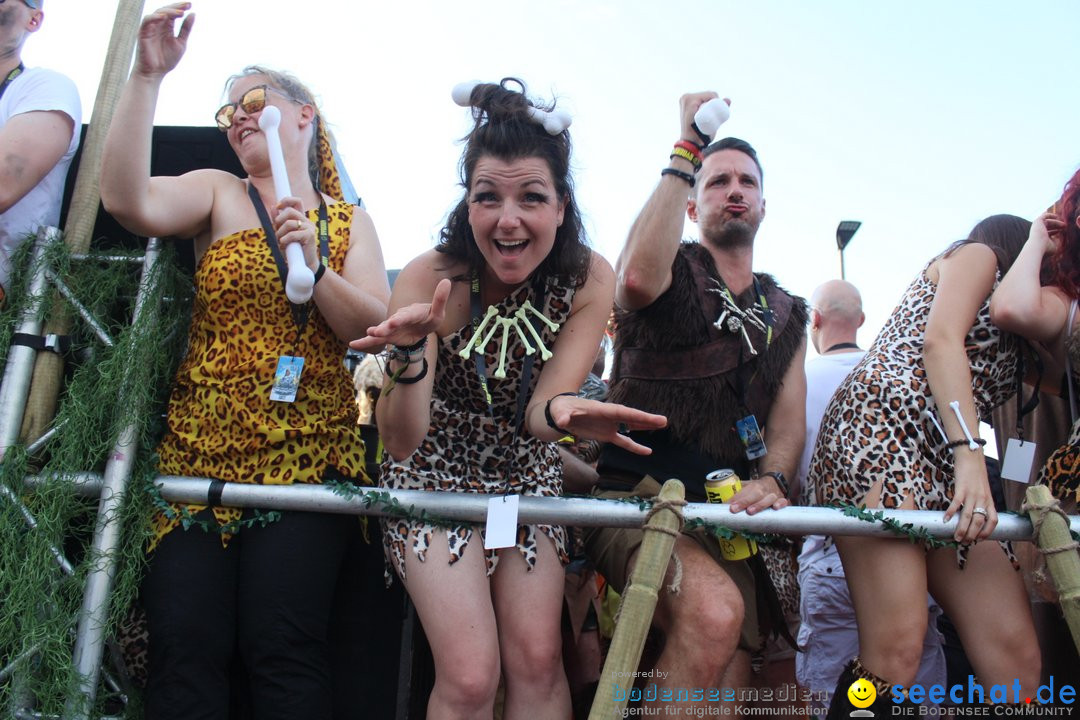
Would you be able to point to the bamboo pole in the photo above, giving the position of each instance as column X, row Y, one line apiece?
column 82, row 213
column 639, row 602
column 1062, row 557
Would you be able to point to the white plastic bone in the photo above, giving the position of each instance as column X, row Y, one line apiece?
column 711, row 115
column 300, row 280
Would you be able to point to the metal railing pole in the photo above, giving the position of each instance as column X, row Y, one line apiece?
column 581, row 512
column 20, row 361
column 90, row 636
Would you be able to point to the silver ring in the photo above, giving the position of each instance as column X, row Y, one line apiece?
column 980, row 511
column 299, row 225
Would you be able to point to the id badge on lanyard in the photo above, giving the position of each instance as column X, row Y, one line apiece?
column 290, row 367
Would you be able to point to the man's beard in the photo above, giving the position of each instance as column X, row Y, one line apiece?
column 731, row 235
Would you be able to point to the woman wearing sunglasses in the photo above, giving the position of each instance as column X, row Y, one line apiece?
column 262, row 395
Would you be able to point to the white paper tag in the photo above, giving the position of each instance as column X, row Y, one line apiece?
column 502, row 516
column 1019, row 457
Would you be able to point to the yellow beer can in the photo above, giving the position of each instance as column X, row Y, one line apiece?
column 720, row 486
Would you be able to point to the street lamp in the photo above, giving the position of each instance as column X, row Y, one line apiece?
column 844, row 232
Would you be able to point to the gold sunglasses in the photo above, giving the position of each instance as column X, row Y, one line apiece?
column 253, row 101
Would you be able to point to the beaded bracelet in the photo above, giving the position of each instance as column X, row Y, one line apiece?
column 679, row 174
column 410, row 354
column 550, row 420
column 961, row 443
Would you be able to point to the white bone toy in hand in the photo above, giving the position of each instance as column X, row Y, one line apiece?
column 300, row 280
column 711, row 115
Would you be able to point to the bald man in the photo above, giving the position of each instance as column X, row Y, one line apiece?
column 40, row 116
column 828, row 634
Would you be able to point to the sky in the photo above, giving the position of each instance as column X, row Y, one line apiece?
column 916, row 118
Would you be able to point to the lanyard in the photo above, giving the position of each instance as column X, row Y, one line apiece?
column 841, row 346
column 742, row 386
column 1023, row 408
column 299, row 312
column 16, row 72
column 526, row 368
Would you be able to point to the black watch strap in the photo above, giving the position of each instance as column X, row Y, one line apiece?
column 781, row 481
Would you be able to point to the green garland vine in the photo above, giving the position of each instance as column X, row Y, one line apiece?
column 106, row 390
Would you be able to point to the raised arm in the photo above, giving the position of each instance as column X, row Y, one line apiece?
column 964, row 280
column 159, row 206
column 1020, row 304
column 574, row 353
column 417, row 308
column 644, row 265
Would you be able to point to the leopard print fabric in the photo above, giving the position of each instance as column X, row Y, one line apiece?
column 465, row 448
column 1061, row 472
column 329, row 179
column 221, row 421
column 876, row 426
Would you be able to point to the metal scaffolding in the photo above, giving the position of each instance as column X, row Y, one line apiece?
column 90, row 640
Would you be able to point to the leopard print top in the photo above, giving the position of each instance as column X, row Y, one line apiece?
column 465, row 448
column 221, row 421
column 877, row 427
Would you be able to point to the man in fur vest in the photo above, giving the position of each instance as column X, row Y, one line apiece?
column 719, row 350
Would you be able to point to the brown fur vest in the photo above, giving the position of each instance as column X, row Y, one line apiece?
column 670, row 359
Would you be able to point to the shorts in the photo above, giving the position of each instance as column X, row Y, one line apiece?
column 610, row 550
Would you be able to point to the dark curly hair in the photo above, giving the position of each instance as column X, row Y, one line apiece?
column 503, row 129
column 1065, row 261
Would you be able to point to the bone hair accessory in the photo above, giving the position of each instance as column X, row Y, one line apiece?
column 300, row 280
column 553, row 121
column 711, row 115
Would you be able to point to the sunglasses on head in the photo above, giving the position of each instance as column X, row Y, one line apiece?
column 252, row 101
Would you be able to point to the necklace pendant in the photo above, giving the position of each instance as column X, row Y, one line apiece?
column 749, row 345
column 735, row 324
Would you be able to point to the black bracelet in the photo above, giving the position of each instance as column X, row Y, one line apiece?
column 415, row 378
column 781, row 481
column 679, row 174
column 415, row 346
column 960, row 443
column 550, row 420
column 318, row 274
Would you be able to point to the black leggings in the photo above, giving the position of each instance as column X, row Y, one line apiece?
column 267, row 595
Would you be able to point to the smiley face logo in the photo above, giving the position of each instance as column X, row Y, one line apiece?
column 862, row 694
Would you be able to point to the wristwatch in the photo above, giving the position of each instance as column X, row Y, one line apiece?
column 781, row 481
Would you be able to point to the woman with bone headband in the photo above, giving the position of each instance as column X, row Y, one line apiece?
column 902, row 432
column 266, row 589
column 491, row 334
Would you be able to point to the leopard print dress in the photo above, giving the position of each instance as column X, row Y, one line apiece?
column 466, row 447
column 877, row 426
column 221, row 421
